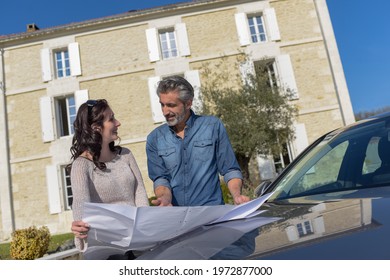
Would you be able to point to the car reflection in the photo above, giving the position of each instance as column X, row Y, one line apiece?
column 306, row 221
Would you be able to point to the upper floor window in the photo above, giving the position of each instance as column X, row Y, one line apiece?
column 62, row 63
column 304, row 228
column 259, row 27
column 165, row 43
column 256, row 28
column 66, row 112
column 168, row 43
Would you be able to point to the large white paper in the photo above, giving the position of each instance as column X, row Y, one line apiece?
column 122, row 227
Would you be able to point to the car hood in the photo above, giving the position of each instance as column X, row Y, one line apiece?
column 341, row 225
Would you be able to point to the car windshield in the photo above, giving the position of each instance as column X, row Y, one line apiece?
column 342, row 160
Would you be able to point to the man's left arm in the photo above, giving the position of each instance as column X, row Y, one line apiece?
column 235, row 187
column 229, row 167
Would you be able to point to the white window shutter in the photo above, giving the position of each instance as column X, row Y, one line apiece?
column 300, row 141
column 74, row 59
column 47, row 118
column 247, row 69
column 272, row 24
column 242, row 29
column 46, row 64
column 154, row 100
column 286, row 74
column 292, row 233
column 193, row 78
column 80, row 96
column 53, row 189
column 184, row 46
column 152, row 41
column 319, row 225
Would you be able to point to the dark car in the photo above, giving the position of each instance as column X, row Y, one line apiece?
column 332, row 202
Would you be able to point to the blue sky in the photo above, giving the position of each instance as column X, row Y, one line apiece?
column 360, row 30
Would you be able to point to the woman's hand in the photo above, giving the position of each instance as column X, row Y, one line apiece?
column 80, row 229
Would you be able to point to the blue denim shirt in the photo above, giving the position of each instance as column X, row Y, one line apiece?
column 190, row 167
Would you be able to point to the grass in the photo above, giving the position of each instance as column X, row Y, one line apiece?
column 55, row 242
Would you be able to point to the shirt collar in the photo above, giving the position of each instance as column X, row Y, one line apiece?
column 189, row 122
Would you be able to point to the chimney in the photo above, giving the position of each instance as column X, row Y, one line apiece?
column 31, row 27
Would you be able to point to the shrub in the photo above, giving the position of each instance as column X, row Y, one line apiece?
column 30, row 243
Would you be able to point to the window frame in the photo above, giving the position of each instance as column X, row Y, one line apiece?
column 64, row 120
column 164, row 36
column 67, row 188
column 64, row 61
column 261, row 37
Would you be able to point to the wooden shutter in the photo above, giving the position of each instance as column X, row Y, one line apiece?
column 182, row 37
column 47, row 118
column 272, row 24
column 80, row 97
column 53, row 189
column 193, row 78
column 242, row 29
column 152, row 41
column 46, row 64
column 154, row 100
column 300, row 141
column 74, row 59
column 286, row 74
column 247, row 69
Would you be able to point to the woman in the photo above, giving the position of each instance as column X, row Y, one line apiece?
column 101, row 172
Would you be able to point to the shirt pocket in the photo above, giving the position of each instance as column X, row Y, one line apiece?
column 203, row 150
column 169, row 157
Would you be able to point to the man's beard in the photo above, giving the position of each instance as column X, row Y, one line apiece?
column 178, row 118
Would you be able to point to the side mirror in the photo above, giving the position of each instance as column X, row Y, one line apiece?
column 262, row 188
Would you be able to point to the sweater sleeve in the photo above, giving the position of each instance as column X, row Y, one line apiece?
column 80, row 180
column 141, row 198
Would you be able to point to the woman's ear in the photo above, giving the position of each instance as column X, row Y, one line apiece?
column 95, row 127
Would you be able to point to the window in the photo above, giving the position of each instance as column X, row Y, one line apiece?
column 259, row 27
column 269, row 68
column 62, row 65
column 66, row 113
column 58, row 114
column 256, row 28
column 60, row 62
column 168, row 43
column 304, row 228
column 68, row 195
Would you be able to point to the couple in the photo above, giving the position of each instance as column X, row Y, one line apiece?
column 185, row 157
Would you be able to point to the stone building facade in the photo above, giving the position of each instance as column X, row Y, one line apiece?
column 46, row 74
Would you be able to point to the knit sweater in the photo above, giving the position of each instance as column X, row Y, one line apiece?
column 120, row 183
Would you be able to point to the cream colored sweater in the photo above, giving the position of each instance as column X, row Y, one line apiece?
column 120, row 183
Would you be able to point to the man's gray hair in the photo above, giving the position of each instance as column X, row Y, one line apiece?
column 174, row 83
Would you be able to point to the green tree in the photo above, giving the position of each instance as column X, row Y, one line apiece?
column 255, row 110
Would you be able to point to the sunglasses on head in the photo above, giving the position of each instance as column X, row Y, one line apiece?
column 91, row 102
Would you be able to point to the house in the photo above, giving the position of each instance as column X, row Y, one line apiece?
column 45, row 74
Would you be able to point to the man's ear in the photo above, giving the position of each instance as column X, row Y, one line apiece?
column 188, row 104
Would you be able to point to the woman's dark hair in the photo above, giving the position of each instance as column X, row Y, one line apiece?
column 87, row 131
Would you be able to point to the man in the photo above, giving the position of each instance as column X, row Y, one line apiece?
column 187, row 154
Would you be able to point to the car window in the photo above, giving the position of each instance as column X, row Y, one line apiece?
column 324, row 173
column 340, row 160
column 372, row 161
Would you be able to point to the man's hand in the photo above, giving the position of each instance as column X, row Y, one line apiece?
column 234, row 186
column 161, row 201
column 163, row 196
column 239, row 199
column 80, row 229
